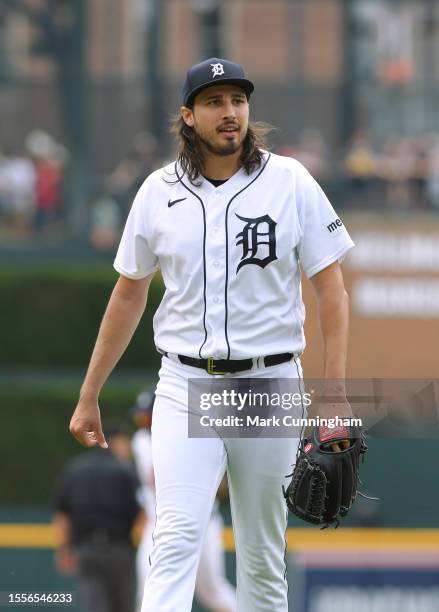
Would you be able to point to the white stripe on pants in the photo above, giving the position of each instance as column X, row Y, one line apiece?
column 187, row 475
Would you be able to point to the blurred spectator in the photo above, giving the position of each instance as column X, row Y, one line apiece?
column 17, row 185
column 312, row 152
column 105, row 224
column 360, row 168
column 433, row 174
column 397, row 167
column 49, row 158
column 96, row 509
column 126, row 179
column 422, row 153
column 110, row 210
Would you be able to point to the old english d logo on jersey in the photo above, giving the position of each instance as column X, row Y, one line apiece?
column 258, row 237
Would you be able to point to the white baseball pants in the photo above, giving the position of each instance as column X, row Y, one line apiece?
column 188, row 472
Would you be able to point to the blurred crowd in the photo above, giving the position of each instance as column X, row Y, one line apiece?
column 31, row 186
column 398, row 174
column 116, row 191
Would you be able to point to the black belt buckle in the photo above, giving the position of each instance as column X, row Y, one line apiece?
column 211, row 367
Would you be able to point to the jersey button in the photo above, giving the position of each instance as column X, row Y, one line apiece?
column 215, row 300
column 216, row 264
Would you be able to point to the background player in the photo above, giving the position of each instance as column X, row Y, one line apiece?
column 227, row 224
column 96, row 509
column 212, row 588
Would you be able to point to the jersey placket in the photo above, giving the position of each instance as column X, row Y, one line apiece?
column 216, row 345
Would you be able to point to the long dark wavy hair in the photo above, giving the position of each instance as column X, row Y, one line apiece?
column 190, row 155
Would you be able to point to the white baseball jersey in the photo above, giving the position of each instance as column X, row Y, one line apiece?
column 230, row 255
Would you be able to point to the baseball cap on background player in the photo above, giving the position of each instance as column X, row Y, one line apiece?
column 144, row 403
column 211, row 72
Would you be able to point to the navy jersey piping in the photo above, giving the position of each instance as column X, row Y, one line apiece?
column 204, row 256
column 227, row 251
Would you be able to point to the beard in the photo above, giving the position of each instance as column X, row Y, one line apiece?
column 222, row 150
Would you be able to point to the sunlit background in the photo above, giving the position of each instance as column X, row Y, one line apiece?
column 87, row 91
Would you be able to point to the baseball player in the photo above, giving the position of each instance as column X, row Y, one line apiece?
column 212, row 588
column 230, row 226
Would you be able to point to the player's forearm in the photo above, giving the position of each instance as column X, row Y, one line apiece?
column 334, row 321
column 119, row 323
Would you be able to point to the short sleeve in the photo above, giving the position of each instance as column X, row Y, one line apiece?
column 134, row 257
column 130, row 493
column 323, row 237
column 61, row 495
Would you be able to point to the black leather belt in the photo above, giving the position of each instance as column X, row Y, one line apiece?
column 103, row 537
column 230, row 366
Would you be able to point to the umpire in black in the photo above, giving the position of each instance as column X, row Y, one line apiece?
column 96, row 509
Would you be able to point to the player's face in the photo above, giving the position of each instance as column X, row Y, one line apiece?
column 219, row 118
column 144, row 419
column 120, row 446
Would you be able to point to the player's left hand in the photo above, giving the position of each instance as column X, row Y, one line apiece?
column 342, row 410
column 325, row 478
column 333, row 404
column 337, row 447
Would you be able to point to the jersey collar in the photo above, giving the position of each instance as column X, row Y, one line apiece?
column 235, row 183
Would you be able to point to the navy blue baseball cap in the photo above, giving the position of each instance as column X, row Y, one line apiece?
column 144, row 403
column 211, row 72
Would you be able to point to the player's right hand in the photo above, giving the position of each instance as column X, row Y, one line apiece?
column 85, row 424
column 66, row 561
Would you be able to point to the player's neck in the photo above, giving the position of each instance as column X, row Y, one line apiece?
column 221, row 168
